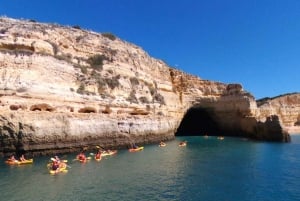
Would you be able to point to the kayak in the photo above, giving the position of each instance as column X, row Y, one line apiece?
column 109, row 153
column 182, row 145
column 17, row 162
column 162, row 145
column 137, row 149
column 58, row 171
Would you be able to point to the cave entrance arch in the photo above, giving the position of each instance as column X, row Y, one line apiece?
column 199, row 121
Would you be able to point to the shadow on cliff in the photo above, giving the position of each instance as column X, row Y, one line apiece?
column 197, row 122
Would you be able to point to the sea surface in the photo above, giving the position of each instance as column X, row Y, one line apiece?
column 207, row 169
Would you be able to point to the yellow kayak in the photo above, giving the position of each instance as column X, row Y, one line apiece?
column 109, row 153
column 137, row 149
column 58, row 170
column 17, row 162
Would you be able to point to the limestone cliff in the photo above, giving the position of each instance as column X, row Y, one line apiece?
column 286, row 106
column 62, row 88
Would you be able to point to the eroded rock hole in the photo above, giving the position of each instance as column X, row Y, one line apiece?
column 197, row 122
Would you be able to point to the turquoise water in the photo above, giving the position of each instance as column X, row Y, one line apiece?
column 207, row 169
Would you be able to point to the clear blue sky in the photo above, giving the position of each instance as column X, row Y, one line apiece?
column 252, row 42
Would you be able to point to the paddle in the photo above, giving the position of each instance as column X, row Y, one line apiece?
column 98, row 147
column 85, row 148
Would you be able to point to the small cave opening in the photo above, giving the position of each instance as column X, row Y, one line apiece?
column 198, row 121
column 87, row 110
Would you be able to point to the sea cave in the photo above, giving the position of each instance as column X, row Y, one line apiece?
column 199, row 121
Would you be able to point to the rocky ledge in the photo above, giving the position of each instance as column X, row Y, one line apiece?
column 64, row 88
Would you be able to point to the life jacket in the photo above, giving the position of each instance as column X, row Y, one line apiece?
column 81, row 157
column 55, row 165
column 98, row 155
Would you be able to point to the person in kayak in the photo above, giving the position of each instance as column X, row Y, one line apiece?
column 57, row 159
column 162, row 144
column 12, row 159
column 55, row 165
column 183, row 143
column 22, row 158
column 134, row 146
column 81, row 156
column 98, row 154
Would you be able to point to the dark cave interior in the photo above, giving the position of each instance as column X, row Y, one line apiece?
column 198, row 121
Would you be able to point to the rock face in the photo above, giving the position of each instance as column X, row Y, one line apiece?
column 62, row 88
column 287, row 107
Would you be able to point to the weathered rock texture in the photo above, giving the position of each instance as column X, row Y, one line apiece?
column 63, row 88
column 286, row 107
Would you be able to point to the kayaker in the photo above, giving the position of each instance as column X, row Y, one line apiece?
column 12, row 158
column 162, row 144
column 134, row 146
column 98, row 154
column 183, row 143
column 55, row 165
column 57, row 159
column 22, row 158
column 81, row 156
